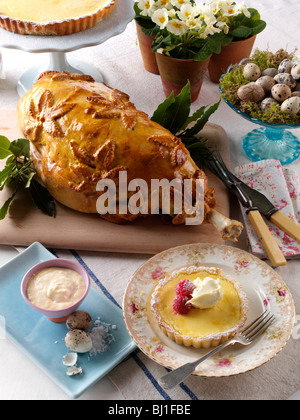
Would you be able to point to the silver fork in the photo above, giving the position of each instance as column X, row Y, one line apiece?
column 245, row 337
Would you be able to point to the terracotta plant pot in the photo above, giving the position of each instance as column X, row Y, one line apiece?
column 148, row 56
column 175, row 73
column 230, row 54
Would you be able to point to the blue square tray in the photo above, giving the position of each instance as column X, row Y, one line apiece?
column 43, row 341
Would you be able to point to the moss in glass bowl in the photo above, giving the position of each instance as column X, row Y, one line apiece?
column 234, row 79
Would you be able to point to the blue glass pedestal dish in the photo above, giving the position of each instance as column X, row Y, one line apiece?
column 270, row 141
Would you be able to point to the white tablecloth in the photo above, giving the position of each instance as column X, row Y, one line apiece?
column 120, row 62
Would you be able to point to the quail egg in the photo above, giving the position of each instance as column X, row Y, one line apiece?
column 79, row 320
column 281, row 92
column 267, row 103
column 266, row 82
column 251, row 72
column 296, row 93
column 78, row 341
column 251, row 92
column 291, row 105
column 295, row 71
column 271, row 71
column 285, row 78
column 285, row 66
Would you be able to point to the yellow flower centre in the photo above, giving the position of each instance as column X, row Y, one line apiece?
column 147, row 5
column 177, row 25
column 231, row 11
column 162, row 20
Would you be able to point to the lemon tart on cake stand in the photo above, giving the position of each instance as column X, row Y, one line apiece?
column 58, row 46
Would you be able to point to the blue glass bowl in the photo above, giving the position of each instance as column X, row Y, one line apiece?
column 271, row 141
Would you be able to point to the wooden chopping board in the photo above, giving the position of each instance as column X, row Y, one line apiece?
column 25, row 224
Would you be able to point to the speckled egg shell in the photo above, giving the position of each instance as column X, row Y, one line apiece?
column 285, row 78
column 251, row 92
column 295, row 71
column 271, row 71
column 281, row 92
column 285, row 66
column 78, row 341
column 291, row 106
column 266, row 82
column 251, row 72
column 79, row 320
column 296, row 93
column 267, row 103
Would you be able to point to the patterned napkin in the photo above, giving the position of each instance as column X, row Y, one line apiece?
column 282, row 187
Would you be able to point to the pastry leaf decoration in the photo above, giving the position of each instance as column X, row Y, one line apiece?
column 173, row 114
column 19, row 173
column 46, row 116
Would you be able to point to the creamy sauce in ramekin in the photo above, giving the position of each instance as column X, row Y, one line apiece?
column 55, row 288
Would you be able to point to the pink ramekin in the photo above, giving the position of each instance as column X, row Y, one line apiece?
column 59, row 315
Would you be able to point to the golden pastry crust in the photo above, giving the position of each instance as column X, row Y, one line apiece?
column 64, row 27
column 81, row 132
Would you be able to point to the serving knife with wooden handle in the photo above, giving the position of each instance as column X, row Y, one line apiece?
column 257, row 205
column 271, row 212
column 267, row 239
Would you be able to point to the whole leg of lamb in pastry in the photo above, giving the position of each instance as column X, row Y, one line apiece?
column 82, row 132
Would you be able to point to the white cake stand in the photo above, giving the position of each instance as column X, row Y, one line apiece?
column 58, row 46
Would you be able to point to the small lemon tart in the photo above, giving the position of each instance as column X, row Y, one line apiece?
column 52, row 17
column 200, row 327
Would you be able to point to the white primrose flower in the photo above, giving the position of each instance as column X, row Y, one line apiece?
column 172, row 14
column 165, row 4
column 243, row 9
column 146, row 7
column 177, row 27
column 223, row 26
column 205, row 11
column 211, row 29
column 194, row 23
column 215, row 6
column 179, row 3
column 234, row 9
column 161, row 18
column 187, row 12
column 209, row 19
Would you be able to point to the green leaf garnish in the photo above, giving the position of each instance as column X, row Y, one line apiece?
column 173, row 114
column 20, row 147
column 42, row 198
column 4, row 208
column 4, row 147
column 19, row 173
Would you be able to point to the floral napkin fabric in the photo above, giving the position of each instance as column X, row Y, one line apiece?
column 281, row 186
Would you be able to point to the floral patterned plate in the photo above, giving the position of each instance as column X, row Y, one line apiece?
column 263, row 286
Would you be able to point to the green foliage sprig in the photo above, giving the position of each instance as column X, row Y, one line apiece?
column 174, row 115
column 19, row 173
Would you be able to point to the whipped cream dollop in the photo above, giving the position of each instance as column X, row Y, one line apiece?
column 207, row 293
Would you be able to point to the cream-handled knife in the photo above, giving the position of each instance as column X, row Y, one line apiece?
column 257, row 204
